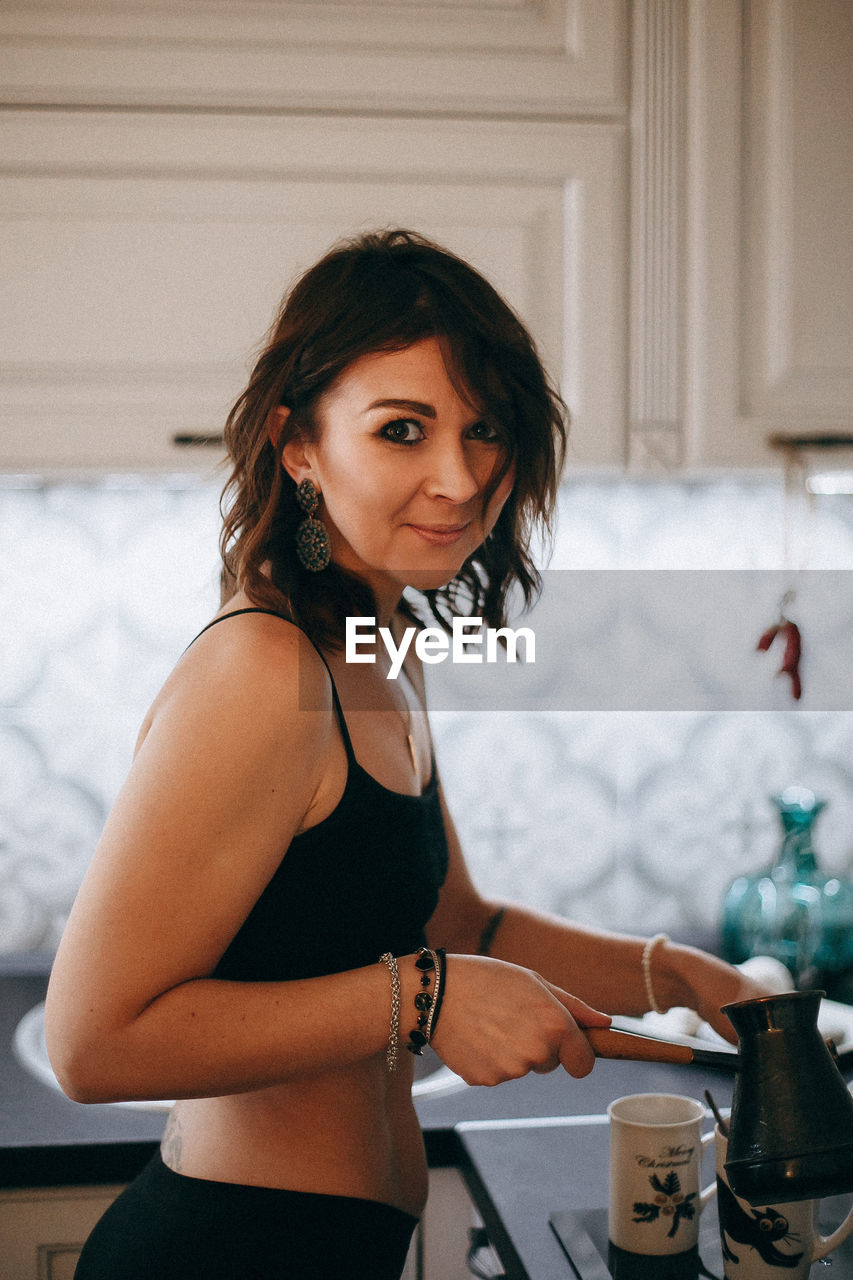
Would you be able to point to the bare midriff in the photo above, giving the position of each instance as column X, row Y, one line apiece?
column 351, row 1132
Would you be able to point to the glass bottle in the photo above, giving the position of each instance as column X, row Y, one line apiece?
column 793, row 911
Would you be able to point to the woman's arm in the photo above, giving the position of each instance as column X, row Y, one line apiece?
column 603, row 968
column 606, row 969
column 228, row 769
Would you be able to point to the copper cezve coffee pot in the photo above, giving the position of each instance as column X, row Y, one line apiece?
column 791, row 1127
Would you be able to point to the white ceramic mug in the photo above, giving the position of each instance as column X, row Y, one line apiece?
column 656, row 1147
column 764, row 1242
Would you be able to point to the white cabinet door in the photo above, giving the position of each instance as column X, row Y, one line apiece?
column 446, row 1227
column 770, row 195
column 144, row 255
column 519, row 57
column 43, row 1230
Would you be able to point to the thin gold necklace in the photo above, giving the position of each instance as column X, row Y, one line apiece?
column 406, row 717
column 407, row 725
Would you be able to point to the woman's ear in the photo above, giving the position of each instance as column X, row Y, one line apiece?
column 295, row 450
column 296, row 458
column 276, row 419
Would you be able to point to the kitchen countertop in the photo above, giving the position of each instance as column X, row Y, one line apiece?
column 521, row 1172
column 47, row 1140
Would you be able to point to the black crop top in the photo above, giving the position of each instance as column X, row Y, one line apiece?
column 363, row 881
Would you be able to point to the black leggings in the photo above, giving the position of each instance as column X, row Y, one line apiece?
column 166, row 1226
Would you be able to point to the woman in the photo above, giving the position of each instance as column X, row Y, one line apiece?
column 249, row 936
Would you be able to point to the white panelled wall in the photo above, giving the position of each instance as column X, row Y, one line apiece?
column 662, row 188
column 148, row 253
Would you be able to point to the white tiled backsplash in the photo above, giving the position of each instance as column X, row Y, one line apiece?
column 633, row 819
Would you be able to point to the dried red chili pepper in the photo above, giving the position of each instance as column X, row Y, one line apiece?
column 791, row 661
column 767, row 639
column 793, row 651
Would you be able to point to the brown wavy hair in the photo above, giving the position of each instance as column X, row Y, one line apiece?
column 384, row 291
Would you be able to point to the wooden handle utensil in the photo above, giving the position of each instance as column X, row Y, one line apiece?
column 607, row 1043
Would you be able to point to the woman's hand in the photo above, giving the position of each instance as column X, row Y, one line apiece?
column 500, row 1021
column 703, row 982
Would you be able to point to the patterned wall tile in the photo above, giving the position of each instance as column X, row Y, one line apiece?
column 611, row 816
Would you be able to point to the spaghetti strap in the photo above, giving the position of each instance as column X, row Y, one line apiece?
column 235, row 613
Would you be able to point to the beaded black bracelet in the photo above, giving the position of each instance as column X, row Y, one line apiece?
column 431, row 970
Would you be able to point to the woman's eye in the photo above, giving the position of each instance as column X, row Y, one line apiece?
column 402, row 431
column 485, row 431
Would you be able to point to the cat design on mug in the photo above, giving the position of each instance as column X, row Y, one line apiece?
column 758, row 1231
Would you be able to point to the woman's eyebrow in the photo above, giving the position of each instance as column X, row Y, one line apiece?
column 414, row 406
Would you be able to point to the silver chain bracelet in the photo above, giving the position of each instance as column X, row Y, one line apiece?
column 394, row 1030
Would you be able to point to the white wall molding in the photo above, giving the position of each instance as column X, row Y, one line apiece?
column 657, row 234
column 522, row 57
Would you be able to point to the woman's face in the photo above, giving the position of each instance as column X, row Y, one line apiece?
column 403, row 465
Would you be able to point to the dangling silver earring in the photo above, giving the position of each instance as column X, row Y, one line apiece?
column 312, row 537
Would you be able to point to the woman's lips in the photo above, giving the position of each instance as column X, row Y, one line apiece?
column 440, row 535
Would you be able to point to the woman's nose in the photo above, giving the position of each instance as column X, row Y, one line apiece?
column 453, row 475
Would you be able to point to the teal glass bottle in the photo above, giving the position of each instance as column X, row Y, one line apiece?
column 793, row 911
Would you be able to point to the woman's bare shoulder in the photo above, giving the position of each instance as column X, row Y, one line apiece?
column 246, row 663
